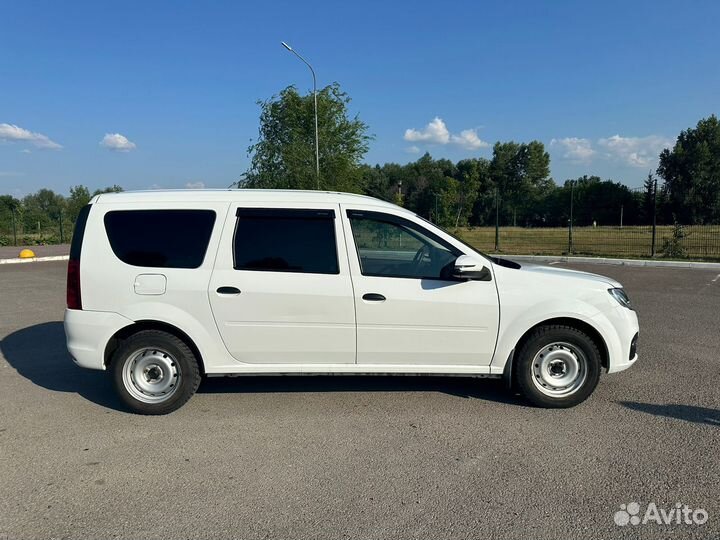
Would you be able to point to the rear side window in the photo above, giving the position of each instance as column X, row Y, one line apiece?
column 285, row 240
column 160, row 238
column 79, row 233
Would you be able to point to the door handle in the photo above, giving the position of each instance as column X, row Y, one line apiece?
column 228, row 290
column 373, row 297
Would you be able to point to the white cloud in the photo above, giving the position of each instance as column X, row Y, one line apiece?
column 469, row 140
column 436, row 132
column 635, row 151
column 574, row 148
column 412, row 149
column 117, row 143
column 195, row 185
column 13, row 133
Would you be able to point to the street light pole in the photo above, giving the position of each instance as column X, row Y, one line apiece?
column 570, row 221
column 317, row 138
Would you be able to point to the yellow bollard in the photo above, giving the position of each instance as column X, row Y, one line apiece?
column 27, row 254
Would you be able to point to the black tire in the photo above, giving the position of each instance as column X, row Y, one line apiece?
column 546, row 359
column 150, row 360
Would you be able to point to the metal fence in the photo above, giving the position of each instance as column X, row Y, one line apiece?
column 676, row 241
column 669, row 241
column 15, row 231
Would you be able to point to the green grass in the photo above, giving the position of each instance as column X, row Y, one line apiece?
column 700, row 241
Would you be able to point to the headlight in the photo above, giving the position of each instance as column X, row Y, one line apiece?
column 621, row 297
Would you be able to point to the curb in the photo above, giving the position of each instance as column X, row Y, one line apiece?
column 35, row 259
column 617, row 262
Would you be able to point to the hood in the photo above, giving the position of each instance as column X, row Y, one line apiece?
column 572, row 274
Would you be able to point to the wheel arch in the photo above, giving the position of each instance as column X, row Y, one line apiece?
column 581, row 325
column 127, row 331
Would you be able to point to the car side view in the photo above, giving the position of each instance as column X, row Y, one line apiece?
column 165, row 287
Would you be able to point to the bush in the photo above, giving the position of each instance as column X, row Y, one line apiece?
column 672, row 247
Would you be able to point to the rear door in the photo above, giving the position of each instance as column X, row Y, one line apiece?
column 281, row 291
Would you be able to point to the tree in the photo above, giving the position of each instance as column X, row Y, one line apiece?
column 9, row 205
column 649, row 198
column 79, row 197
column 42, row 209
column 284, row 154
column 691, row 171
column 521, row 173
column 110, row 189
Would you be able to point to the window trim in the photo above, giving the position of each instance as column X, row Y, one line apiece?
column 150, row 209
column 403, row 222
column 308, row 214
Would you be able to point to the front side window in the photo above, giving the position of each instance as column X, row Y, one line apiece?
column 160, row 238
column 285, row 240
column 390, row 246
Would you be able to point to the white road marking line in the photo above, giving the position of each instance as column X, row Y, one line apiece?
column 716, row 278
column 35, row 259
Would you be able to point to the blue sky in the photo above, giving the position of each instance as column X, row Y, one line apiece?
column 162, row 94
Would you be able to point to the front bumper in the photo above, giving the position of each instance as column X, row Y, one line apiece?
column 87, row 334
column 622, row 344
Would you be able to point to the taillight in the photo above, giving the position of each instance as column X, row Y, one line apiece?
column 74, row 299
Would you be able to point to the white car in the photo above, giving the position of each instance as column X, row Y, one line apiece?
column 165, row 287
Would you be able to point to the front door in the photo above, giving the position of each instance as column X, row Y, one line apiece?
column 409, row 309
column 280, row 290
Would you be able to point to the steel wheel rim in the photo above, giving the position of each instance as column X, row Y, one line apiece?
column 151, row 375
column 559, row 369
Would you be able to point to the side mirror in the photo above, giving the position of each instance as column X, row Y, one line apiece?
column 467, row 267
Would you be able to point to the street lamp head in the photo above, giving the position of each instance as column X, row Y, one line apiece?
column 288, row 47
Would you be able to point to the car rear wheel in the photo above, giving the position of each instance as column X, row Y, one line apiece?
column 558, row 366
column 154, row 372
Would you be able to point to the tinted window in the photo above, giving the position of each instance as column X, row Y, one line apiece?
column 79, row 233
column 278, row 240
column 390, row 246
column 160, row 238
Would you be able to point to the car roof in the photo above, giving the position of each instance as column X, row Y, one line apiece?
column 239, row 195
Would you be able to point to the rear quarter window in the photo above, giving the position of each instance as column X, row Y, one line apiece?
column 160, row 238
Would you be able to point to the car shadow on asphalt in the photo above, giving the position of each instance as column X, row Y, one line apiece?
column 689, row 413
column 39, row 354
column 463, row 387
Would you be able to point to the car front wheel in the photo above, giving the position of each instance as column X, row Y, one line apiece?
column 558, row 366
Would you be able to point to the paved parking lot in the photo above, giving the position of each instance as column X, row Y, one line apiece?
column 363, row 457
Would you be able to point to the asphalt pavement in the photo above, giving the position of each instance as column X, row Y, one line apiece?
column 361, row 457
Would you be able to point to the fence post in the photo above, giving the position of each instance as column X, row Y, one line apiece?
column 14, row 226
column 570, row 221
column 654, row 221
column 497, row 222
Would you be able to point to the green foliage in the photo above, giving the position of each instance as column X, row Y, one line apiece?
column 40, row 217
column 521, row 173
column 79, row 197
column 110, row 189
column 42, row 209
column 691, row 171
column 673, row 247
column 283, row 157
